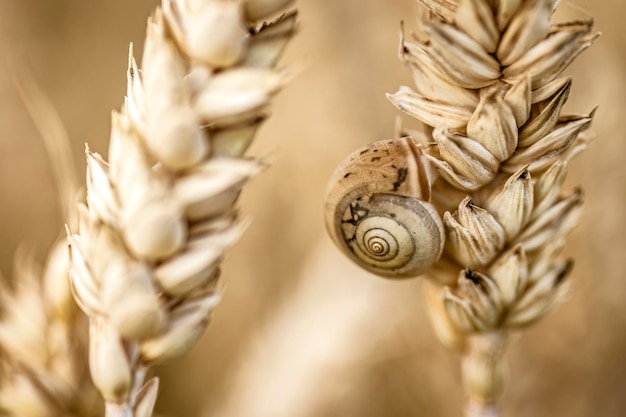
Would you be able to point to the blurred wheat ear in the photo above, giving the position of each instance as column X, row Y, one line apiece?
column 161, row 212
column 43, row 335
column 491, row 157
column 502, row 147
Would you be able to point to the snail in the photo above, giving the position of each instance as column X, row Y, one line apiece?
column 378, row 212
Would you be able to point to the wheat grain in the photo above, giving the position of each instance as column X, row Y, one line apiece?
column 161, row 213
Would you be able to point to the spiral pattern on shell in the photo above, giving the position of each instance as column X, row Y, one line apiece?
column 375, row 212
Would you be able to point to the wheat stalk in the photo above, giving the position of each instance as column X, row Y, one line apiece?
column 490, row 92
column 161, row 213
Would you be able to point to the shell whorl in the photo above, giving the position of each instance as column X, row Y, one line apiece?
column 377, row 209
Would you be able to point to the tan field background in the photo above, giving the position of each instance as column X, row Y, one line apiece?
column 300, row 331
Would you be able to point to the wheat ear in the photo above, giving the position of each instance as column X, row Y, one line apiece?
column 488, row 88
column 474, row 199
column 161, row 213
column 43, row 335
column 43, row 343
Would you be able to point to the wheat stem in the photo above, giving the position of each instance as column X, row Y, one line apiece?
column 480, row 410
column 118, row 410
column 484, row 373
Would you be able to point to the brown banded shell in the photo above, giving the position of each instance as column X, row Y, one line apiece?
column 377, row 211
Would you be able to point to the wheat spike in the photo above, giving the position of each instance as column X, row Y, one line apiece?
column 490, row 91
column 43, row 336
column 160, row 212
column 43, row 343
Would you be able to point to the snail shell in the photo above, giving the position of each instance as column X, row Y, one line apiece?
column 377, row 211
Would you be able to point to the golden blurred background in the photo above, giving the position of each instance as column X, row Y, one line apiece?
column 300, row 331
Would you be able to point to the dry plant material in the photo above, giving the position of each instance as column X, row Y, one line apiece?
column 43, row 335
column 161, row 213
column 491, row 160
column 43, row 344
